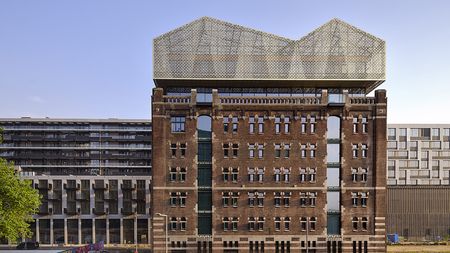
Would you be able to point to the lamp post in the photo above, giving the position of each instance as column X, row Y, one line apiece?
column 166, row 224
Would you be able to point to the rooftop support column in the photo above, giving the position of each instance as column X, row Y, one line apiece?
column 93, row 230
column 79, row 231
column 107, row 231
column 66, row 239
column 51, row 231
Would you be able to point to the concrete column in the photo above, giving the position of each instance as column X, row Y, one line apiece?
column 135, row 230
column 107, row 230
column 79, row 231
column 149, row 222
column 65, row 232
column 121, row 231
column 93, row 230
column 51, row 231
column 37, row 231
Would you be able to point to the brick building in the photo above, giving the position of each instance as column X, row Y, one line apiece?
column 266, row 144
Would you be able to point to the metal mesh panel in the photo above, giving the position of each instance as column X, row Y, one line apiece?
column 212, row 49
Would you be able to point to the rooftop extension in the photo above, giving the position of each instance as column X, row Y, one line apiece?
column 212, row 53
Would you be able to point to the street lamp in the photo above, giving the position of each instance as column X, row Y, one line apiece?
column 166, row 224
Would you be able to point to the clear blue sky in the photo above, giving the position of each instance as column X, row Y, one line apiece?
column 92, row 58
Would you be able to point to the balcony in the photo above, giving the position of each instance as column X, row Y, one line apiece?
column 129, row 187
column 55, row 196
column 99, row 210
column 362, row 100
column 83, row 196
column 177, row 99
column 100, row 186
column 45, row 210
column 128, row 210
column 111, row 197
column 43, row 186
column 72, row 186
column 72, row 211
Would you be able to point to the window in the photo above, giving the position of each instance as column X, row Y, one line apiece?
column 183, row 223
column 435, row 132
column 447, row 132
column 364, row 199
column 251, row 150
column 277, row 150
column 277, row 199
column 226, row 223
column 277, row 125
column 260, row 125
column 225, row 174
column 260, row 175
column 354, row 199
column 402, row 132
column 182, row 174
column 355, row 150
column 173, row 149
column 287, row 149
column 286, row 124
column 303, row 223
column 251, row 223
column 312, row 150
column 251, row 174
column 251, row 199
column 178, row 124
column 277, row 174
column 303, row 150
column 277, row 223
column 363, row 175
column 234, row 199
column 235, row 124
column 414, row 132
column 302, row 175
column 303, row 124
column 355, row 124
column 173, row 174
column 251, row 121
column 260, row 198
column 312, row 175
column 173, row 223
column 235, row 150
column 183, row 149
column 260, row 150
column 286, row 198
column 303, row 199
column 354, row 175
column 226, row 150
column 286, row 173
column 365, row 123
column 364, row 223
column 312, row 198
column 355, row 223
column 234, row 223
column 226, row 122
column 312, row 122
column 287, row 223
column 261, row 224
column 173, row 199
column 234, row 174
column 183, row 196
column 402, row 144
column 312, row 223
column 364, row 150
column 225, row 199
column 391, row 133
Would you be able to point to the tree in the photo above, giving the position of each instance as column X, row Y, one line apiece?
column 18, row 202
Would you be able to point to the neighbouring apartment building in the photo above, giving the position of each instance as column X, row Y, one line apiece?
column 418, row 181
column 94, row 176
column 267, row 144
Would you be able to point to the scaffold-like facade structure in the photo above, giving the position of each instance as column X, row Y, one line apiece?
column 208, row 48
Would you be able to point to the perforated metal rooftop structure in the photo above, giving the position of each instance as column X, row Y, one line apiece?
column 210, row 52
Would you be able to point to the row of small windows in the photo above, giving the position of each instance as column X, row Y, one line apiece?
column 418, row 132
column 258, row 223
column 231, row 199
column 282, row 124
column 279, row 174
column 280, row 150
column 413, row 145
column 280, row 223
